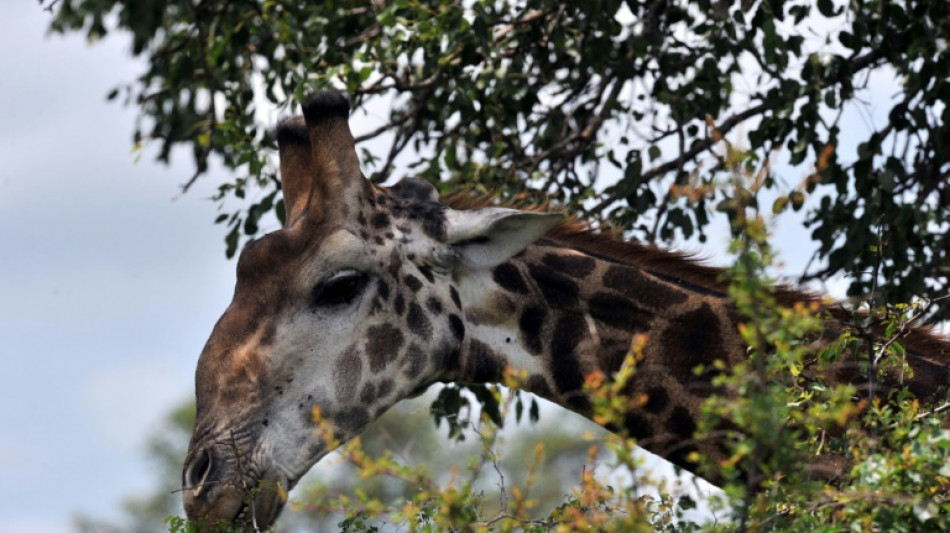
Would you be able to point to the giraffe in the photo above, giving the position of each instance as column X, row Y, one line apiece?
column 370, row 294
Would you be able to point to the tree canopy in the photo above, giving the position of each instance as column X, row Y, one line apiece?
column 618, row 109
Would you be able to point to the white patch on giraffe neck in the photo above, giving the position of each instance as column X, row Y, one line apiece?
column 479, row 293
column 504, row 342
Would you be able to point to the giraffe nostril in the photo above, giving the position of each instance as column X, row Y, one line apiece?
column 197, row 472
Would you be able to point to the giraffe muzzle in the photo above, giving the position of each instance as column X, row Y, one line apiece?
column 215, row 492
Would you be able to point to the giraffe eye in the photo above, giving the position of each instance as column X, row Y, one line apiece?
column 338, row 289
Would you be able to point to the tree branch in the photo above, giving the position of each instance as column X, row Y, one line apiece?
column 697, row 147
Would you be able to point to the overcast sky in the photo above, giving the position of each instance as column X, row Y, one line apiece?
column 108, row 285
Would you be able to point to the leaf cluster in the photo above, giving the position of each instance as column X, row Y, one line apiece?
column 809, row 451
column 605, row 106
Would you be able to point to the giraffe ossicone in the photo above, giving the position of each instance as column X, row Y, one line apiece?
column 369, row 294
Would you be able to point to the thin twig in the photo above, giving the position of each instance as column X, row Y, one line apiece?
column 694, row 150
column 935, row 411
column 49, row 8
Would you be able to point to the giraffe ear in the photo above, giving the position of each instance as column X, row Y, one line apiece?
column 487, row 237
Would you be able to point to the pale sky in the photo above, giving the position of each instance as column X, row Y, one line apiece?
column 109, row 285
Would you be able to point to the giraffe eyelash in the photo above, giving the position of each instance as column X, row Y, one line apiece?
column 340, row 288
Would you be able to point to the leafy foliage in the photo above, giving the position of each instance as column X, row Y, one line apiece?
column 487, row 494
column 603, row 105
column 792, row 417
column 405, row 434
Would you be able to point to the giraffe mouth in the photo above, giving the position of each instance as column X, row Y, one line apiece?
column 261, row 506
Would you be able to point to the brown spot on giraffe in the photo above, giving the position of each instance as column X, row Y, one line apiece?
column 414, row 362
column 569, row 330
column 539, row 385
column 507, row 276
column 482, row 365
column 349, row 365
column 418, row 321
column 642, row 288
column 619, row 312
column 368, row 393
column 559, row 290
column 575, row 265
column 384, row 342
column 687, row 341
column 531, row 324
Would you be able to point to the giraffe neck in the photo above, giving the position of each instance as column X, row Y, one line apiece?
column 561, row 314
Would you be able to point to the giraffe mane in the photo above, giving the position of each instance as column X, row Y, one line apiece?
column 683, row 268
column 609, row 243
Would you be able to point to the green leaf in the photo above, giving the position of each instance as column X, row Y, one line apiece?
column 779, row 205
column 512, row 97
column 281, row 212
column 827, row 8
column 797, row 198
column 847, row 40
column 489, row 403
column 231, row 240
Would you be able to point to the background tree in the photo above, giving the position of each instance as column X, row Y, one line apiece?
column 606, row 106
column 144, row 513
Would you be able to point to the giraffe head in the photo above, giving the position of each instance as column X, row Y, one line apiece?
column 349, row 308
